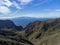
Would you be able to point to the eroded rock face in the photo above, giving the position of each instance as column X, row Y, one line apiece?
column 43, row 33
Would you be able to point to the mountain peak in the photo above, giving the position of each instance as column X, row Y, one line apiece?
column 6, row 24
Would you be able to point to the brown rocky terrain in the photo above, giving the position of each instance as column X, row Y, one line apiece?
column 35, row 33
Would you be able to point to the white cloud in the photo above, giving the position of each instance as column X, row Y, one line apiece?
column 4, row 18
column 58, row 10
column 6, row 2
column 40, row 2
column 17, row 5
column 24, row 2
column 54, row 14
column 43, row 15
column 4, row 10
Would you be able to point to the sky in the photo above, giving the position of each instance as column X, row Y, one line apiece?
column 29, row 8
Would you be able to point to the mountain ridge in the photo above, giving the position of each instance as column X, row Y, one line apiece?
column 35, row 33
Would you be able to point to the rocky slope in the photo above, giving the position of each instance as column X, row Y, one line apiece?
column 43, row 33
column 35, row 33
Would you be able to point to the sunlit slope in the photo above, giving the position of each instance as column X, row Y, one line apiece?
column 43, row 33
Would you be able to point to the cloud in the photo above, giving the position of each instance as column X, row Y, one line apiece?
column 40, row 2
column 6, row 4
column 54, row 14
column 24, row 2
column 58, row 10
column 11, row 17
column 16, row 5
column 4, row 10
